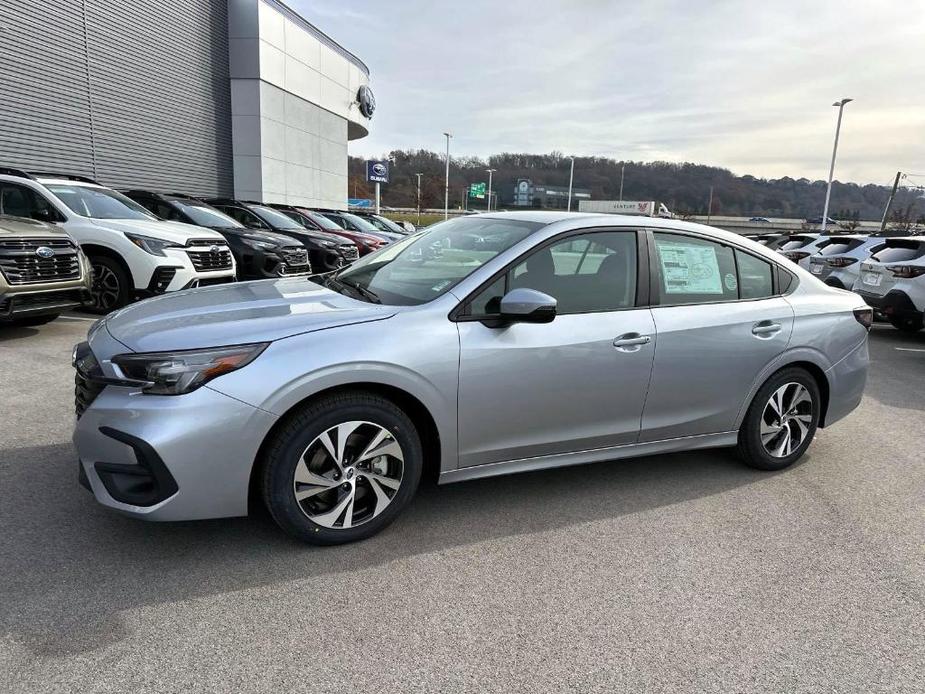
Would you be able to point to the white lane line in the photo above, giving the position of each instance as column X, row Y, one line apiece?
column 88, row 320
column 909, row 349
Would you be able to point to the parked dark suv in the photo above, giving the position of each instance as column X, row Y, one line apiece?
column 259, row 254
column 327, row 252
column 310, row 219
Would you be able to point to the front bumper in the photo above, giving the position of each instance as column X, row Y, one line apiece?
column 170, row 458
column 174, row 271
column 24, row 304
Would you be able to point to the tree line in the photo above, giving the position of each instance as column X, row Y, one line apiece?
column 684, row 188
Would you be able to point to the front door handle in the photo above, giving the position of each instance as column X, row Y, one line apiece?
column 765, row 328
column 631, row 342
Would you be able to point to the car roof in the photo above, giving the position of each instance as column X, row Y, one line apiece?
column 67, row 181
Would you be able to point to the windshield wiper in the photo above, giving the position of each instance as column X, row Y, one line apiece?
column 368, row 295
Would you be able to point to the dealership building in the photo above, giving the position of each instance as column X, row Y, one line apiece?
column 241, row 98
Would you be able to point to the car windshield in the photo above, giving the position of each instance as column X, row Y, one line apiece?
column 321, row 220
column 275, row 218
column 421, row 267
column 206, row 216
column 386, row 224
column 98, row 203
column 360, row 223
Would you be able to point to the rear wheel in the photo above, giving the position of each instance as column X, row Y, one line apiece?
column 781, row 421
column 110, row 286
column 911, row 324
column 342, row 469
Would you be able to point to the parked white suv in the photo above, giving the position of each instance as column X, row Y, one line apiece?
column 133, row 253
column 892, row 280
column 838, row 260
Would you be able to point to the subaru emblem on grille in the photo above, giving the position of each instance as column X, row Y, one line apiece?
column 214, row 249
column 44, row 252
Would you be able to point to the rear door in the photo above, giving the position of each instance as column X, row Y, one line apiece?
column 719, row 321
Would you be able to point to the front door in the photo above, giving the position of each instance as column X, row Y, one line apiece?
column 578, row 383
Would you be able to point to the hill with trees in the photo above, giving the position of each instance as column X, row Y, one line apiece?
column 685, row 188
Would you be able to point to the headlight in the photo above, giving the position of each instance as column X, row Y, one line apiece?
column 150, row 245
column 326, row 244
column 259, row 245
column 176, row 373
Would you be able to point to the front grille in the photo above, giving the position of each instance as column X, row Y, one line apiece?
column 85, row 392
column 296, row 261
column 208, row 260
column 350, row 252
column 20, row 264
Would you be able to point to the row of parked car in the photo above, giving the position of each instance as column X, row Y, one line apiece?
column 886, row 269
column 66, row 240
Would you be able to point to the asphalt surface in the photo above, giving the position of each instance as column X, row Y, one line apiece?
column 683, row 572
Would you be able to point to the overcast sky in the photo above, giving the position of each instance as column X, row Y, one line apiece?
column 743, row 85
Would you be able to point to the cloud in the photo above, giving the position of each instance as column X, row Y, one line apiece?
column 743, row 85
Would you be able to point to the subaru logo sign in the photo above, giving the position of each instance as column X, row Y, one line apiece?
column 377, row 171
column 214, row 249
column 44, row 252
column 367, row 101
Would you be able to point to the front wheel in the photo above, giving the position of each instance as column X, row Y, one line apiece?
column 110, row 286
column 781, row 421
column 909, row 325
column 342, row 468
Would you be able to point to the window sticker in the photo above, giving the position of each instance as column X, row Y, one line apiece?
column 689, row 268
column 730, row 281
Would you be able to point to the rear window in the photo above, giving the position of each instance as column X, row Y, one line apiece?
column 899, row 251
column 839, row 247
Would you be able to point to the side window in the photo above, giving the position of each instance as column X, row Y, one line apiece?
column 691, row 270
column 22, row 201
column 588, row 273
column 165, row 211
column 754, row 277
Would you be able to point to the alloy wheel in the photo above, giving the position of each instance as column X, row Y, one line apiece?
column 348, row 475
column 786, row 420
column 106, row 289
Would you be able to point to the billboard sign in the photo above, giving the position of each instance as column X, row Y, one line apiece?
column 377, row 171
column 359, row 202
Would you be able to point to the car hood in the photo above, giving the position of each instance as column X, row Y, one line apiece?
column 177, row 232
column 230, row 314
column 273, row 237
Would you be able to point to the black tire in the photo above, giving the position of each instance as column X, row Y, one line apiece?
column 910, row 325
column 285, row 450
column 33, row 321
column 750, row 449
column 110, row 286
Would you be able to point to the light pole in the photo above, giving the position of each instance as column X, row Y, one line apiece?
column 446, row 187
column 419, row 198
column 490, row 172
column 622, row 170
column 571, row 177
column 828, row 190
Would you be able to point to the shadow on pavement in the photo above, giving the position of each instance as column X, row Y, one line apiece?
column 70, row 566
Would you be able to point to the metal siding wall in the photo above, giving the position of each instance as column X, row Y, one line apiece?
column 158, row 86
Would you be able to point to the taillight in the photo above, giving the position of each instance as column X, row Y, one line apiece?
column 841, row 262
column 864, row 316
column 907, row 271
column 796, row 255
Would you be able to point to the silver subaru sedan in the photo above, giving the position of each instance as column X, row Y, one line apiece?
column 485, row 345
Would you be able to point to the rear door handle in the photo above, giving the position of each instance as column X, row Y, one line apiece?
column 631, row 342
column 765, row 328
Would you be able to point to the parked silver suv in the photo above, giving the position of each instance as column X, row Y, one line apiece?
column 482, row 346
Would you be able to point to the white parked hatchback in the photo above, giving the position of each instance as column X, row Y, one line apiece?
column 892, row 280
column 133, row 253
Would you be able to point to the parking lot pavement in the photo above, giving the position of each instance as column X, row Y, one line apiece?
column 684, row 572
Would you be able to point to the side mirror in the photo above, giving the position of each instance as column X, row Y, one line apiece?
column 525, row 305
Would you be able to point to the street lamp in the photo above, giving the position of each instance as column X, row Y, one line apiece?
column 419, row 197
column 571, row 176
column 622, row 171
column 446, row 186
column 490, row 172
column 828, row 190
